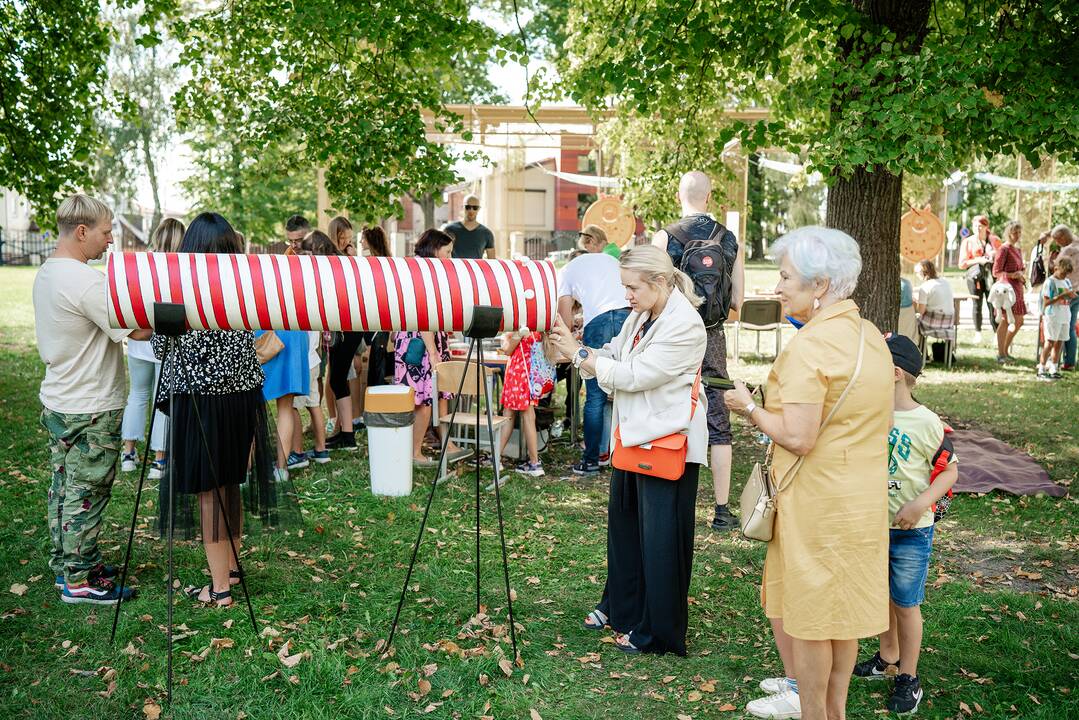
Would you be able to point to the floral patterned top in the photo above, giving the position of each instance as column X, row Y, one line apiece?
column 210, row 362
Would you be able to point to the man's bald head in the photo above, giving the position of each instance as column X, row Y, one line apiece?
column 694, row 189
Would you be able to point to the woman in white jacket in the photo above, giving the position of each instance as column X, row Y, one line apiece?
column 649, row 369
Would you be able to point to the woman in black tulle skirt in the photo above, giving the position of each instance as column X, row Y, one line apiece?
column 221, row 456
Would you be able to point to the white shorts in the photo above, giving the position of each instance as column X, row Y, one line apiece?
column 312, row 398
column 1057, row 330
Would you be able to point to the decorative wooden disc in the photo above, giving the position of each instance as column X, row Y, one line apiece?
column 615, row 218
column 921, row 235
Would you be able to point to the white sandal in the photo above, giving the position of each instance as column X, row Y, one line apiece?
column 595, row 621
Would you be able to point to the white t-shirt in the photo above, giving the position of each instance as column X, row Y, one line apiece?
column 141, row 350
column 936, row 295
column 314, row 337
column 595, row 281
column 84, row 361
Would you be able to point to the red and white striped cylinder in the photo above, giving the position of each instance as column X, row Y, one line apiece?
column 305, row 292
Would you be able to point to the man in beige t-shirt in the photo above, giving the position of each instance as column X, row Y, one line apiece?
column 83, row 396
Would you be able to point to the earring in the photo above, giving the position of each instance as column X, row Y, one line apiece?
column 816, row 303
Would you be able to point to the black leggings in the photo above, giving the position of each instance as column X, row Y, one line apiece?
column 341, row 356
column 978, row 298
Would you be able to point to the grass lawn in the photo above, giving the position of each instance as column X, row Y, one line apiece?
column 1002, row 619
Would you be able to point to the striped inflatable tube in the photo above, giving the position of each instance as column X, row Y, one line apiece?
column 305, row 292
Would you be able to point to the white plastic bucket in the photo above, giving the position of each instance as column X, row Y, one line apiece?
column 389, row 448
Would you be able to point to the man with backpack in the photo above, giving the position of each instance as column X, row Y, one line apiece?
column 700, row 246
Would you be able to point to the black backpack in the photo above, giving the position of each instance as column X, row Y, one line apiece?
column 703, row 261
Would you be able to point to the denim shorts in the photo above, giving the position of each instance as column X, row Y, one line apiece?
column 908, row 564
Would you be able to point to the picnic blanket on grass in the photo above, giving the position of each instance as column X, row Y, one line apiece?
column 987, row 464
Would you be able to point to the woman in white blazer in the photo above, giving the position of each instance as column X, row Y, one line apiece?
column 649, row 369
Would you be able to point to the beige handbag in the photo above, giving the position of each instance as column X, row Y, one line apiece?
column 758, row 499
column 267, row 345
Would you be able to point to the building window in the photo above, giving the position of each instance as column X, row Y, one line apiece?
column 584, row 201
column 585, row 164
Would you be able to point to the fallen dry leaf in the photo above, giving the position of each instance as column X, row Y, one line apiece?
column 694, row 696
column 151, row 710
column 506, row 667
column 533, row 715
column 425, row 687
column 18, row 589
column 727, row 707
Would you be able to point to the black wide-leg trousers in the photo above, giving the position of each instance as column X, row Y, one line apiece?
column 650, row 526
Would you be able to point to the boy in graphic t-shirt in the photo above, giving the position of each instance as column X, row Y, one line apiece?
column 922, row 468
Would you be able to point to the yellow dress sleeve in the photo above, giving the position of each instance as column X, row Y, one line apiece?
column 804, row 377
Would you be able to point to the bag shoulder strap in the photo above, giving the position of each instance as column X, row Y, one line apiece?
column 780, row 487
column 695, row 394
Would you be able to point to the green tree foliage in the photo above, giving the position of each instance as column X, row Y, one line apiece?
column 52, row 64
column 347, row 82
column 866, row 90
column 52, row 76
column 255, row 188
column 136, row 120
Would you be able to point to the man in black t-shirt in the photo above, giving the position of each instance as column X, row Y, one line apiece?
column 471, row 239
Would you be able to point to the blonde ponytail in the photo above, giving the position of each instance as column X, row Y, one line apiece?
column 685, row 284
column 656, row 268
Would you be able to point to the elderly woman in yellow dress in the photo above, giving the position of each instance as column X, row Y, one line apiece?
column 825, row 579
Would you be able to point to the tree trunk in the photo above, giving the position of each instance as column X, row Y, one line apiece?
column 867, row 205
column 427, row 204
column 754, row 221
column 151, row 172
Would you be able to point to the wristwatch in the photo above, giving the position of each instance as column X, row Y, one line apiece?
column 750, row 408
column 580, row 356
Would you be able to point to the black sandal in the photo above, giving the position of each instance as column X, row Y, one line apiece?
column 193, row 593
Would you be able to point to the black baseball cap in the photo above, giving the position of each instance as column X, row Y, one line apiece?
column 905, row 354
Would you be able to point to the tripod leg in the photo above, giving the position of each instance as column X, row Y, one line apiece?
column 138, row 499
column 172, row 524
column 501, row 525
column 476, row 455
column 427, row 507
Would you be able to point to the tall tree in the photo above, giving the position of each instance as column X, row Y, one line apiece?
column 52, row 69
column 52, row 62
column 867, row 90
column 137, row 118
column 256, row 188
column 349, row 81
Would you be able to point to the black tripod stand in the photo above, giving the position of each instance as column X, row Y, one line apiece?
column 485, row 322
column 170, row 322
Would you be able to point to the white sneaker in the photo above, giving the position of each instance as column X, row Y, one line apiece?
column 128, row 462
column 280, row 475
column 785, row 704
column 977, row 338
column 774, row 685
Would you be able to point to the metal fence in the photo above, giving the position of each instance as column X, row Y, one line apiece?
column 22, row 247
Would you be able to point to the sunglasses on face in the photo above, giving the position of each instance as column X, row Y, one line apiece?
column 472, row 207
column 586, row 236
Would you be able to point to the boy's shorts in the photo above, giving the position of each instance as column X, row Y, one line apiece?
column 312, row 398
column 908, row 564
column 1057, row 330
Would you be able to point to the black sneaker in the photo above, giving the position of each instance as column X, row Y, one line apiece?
column 724, row 520
column 584, row 468
column 906, row 695
column 341, row 441
column 875, row 668
column 97, row 591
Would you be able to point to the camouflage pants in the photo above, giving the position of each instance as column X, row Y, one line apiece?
column 82, row 452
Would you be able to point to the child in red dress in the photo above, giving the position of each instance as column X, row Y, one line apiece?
column 519, row 397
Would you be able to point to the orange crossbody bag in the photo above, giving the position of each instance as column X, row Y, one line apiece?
column 664, row 457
